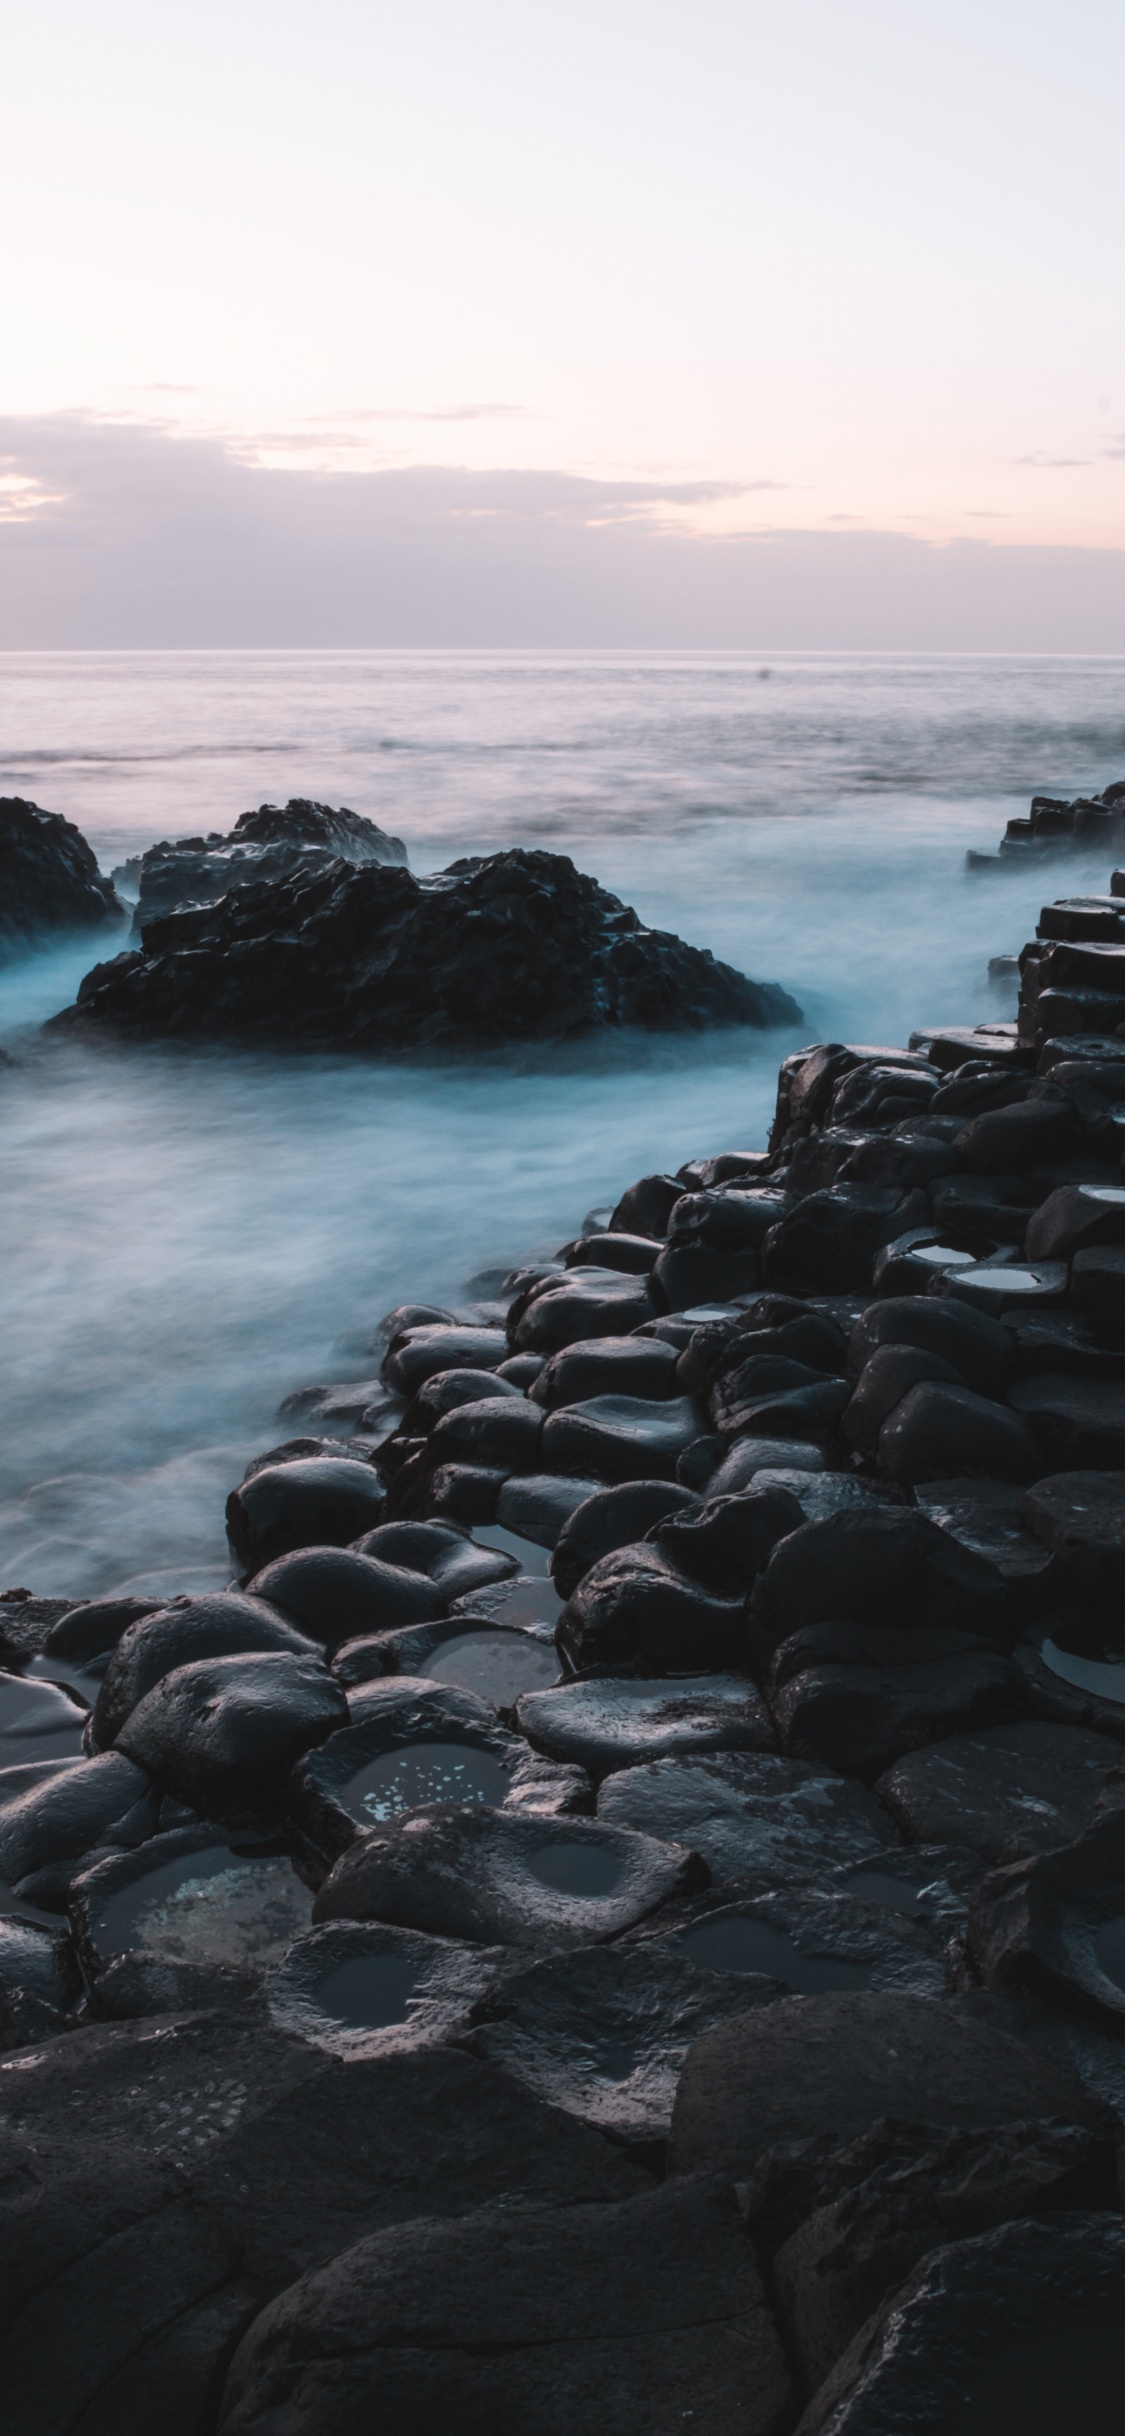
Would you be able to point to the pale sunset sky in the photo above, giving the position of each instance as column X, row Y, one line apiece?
column 410, row 294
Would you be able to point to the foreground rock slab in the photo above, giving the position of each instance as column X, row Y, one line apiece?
column 629, row 2319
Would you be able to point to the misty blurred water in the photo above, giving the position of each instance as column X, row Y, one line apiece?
column 186, row 1236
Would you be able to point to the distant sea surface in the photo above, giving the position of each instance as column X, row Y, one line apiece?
column 188, row 1237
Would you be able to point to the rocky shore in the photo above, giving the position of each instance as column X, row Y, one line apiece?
column 616, row 1918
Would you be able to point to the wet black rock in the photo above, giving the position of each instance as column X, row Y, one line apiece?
column 883, row 1382
column 935, row 1428
column 539, row 1506
column 266, row 845
column 1079, row 1424
column 906, row 2190
column 504, row 1878
column 829, row 1241
column 1019, row 2328
column 843, row 1704
column 46, row 1831
column 734, row 1471
column 1097, row 1285
column 1027, row 1135
column 251, row 2159
column 603, row 2033
column 419, row 1352
column 1080, row 1517
column 1010, row 1791
column 190, row 1900
column 607, row 1366
column 220, row 1626
column 411, row 1743
column 1054, row 1925
column 726, row 1542
column 333, row 1594
column 38, row 1965
column 636, row 1613
column 647, row 1206
column 625, row 2318
column 90, row 1631
column 501, row 1433
column 514, row 946
column 301, row 1505
column 222, row 1734
column 882, row 1566
column 838, row 2062
column 979, row 1349
column 619, row 1438
column 443, row 1552
column 1075, row 1217
column 811, row 1940
column 356, row 1988
column 989, row 1517
column 613, row 1518
column 586, row 1303
column 495, row 1661
column 49, row 879
column 606, row 1724
column 749, row 1815
column 634, row 1255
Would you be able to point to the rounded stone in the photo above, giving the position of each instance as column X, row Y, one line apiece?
column 307, row 1504
column 606, row 1724
column 223, row 1734
column 227, row 1624
column 333, row 1594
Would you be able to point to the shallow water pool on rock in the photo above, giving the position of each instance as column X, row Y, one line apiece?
column 424, row 1772
column 191, row 1900
column 737, row 1942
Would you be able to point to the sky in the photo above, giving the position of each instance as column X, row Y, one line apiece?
column 690, row 320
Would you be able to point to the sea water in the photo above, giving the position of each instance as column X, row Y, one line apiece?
column 187, row 1236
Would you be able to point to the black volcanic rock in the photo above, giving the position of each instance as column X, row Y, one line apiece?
column 515, row 946
column 266, row 845
column 49, row 879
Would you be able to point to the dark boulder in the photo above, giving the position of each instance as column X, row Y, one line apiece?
column 839, row 2062
column 1079, row 1423
column 627, row 2319
column 647, row 1206
column 883, row 1382
column 223, row 1734
column 539, row 1506
column 1022, row 2328
column 829, row 1241
column 936, row 1428
column 726, row 1542
column 634, row 1255
column 1097, row 1286
column 878, row 1566
column 602, row 2033
column 1074, row 1218
column 585, row 1303
column 88, row 1632
column 411, row 1743
column 333, row 1594
column 637, row 1366
column 301, row 1505
column 426, row 1347
column 1027, row 1135
column 442, row 1551
column 860, row 1716
column 620, row 1438
column 1054, row 1924
column 500, row 1433
column 606, row 1724
column 49, row 879
column 990, row 1517
column 512, row 946
column 979, row 1349
column 750, row 1815
column 1013, row 1790
column 46, row 1830
column 220, row 1626
column 922, row 2188
column 613, row 1518
column 267, row 845
column 1080, row 1518
column 636, row 1613
column 506, row 1878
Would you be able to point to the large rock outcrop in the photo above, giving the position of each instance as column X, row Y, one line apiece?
column 49, row 878
column 267, row 844
column 515, row 946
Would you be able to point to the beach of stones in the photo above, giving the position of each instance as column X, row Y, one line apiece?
column 616, row 1917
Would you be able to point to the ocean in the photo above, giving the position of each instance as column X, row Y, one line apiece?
column 188, row 1237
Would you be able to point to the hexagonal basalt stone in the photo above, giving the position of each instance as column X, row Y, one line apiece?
column 603, row 2033
column 636, row 1613
column 356, row 1988
column 498, row 1662
column 621, row 1438
column 190, row 1897
column 230, row 1623
column 411, row 1744
column 454, row 1562
column 611, row 1723
column 49, row 1825
column 500, row 1877
column 332, row 1594
column 810, row 1941
column 750, row 1815
column 610, row 1519
column 1007, row 1792
column 1054, row 1925
column 223, row 1734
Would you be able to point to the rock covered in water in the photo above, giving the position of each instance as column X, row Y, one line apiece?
column 263, row 846
column 513, row 946
column 49, row 878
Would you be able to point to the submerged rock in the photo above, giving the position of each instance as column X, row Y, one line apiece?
column 512, row 946
column 49, row 879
